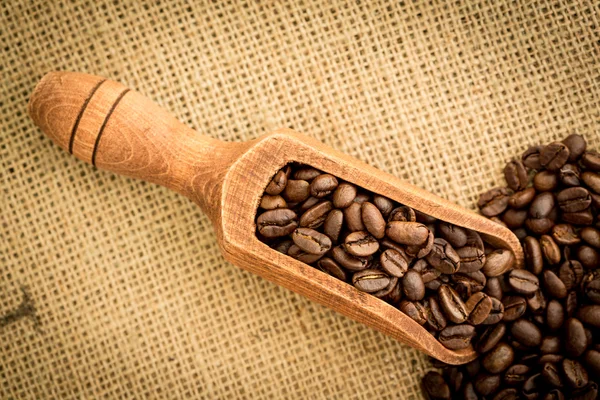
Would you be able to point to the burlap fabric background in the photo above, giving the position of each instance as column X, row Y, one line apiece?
column 113, row 288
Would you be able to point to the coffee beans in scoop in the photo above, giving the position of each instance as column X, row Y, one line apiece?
column 435, row 272
column 546, row 344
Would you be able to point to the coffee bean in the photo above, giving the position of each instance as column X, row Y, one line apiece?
column 296, row 252
column 539, row 226
column 516, row 175
column 571, row 303
column 554, row 286
column 584, row 217
column 296, row 191
column 361, row 244
column 531, row 157
column 542, row 205
column 592, row 291
column 414, row 310
column 349, row 261
column 471, row 258
column 536, row 302
column 570, row 273
column 455, row 235
column 522, row 281
column 478, row 306
column 393, row 263
column 383, row 204
column 428, row 273
column 443, row 257
column 277, row 184
column 307, row 173
column 413, row 286
column 457, row 337
column 407, row 233
column 591, row 359
column 565, row 235
column 311, row 241
column 532, row 387
column 507, row 394
column 353, row 218
column 550, row 250
column 575, row 374
column 577, row 146
column 373, row 220
column 545, row 181
column 550, row 345
column 386, row 291
column 283, row 246
column 496, row 313
column 520, row 233
column 514, row 307
column 361, row 197
column 588, row 257
column 472, row 368
column 436, row 319
column 307, row 204
column 493, row 202
column 591, row 160
column 591, row 236
column 422, row 250
column 573, row 199
column 499, row 358
column 533, row 255
column 526, row 333
column 370, row 280
column 333, row 224
column 315, row 216
column 590, row 315
column 277, row 223
column 487, row 384
column 516, row 374
column 272, row 202
column 590, row 392
column 467, row 284
column 592, row 180
column 436, row 387
column 570, row 175
column 575, row 338
column 551, row 375
column 344, row 195
column 403, row 214
column 555, row 315
column 554, row 156
column 498, row 262
column 332, row 268
column 493, row 288
column 453, row 306
column 522, row 198
column 395, row 295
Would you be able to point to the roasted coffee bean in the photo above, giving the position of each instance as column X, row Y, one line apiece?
column 413, row 286
column 516, row 175
column 370, row 280
column 296, row 252
column 436, row 387
column 454, row 308
column 591, row 359
column 403, row 214
column 311, row 241
column 296, row 191
column 493, row 202
column 407, row 233
column 545, row 181
column 388, row 289
column 523, row 281
column 592, row 291
column 353, row 217
column 487, row 384
column 590, row 392
column 573, row 199
column 454, row 377
column 395, row 295
column 349, row 261
column 555, row 315
column 361, row 197
column 498, row 262
column 473, row 367
column 383, row 204
column 592, row 181
column 522, row 198
column 499, row 358
column 591, row 160
column 571, row 304
column 577, row 146
column 493, row 288
column 571, row 273
column 533, row 255
column 468, row 284
column 554, row 394
column 414, row 310
column 542, row 205
column 575, row 338
column 590, row 315
column 591, row 236
column 554, row 156
column 308, row 203
column 283, row 246
column 550, row 250
column 584, row 217
column 478, row 306
column 315, row 216
column 514, row 307
column 539, row 226
column 490, row 338
column 516, row 374
column 565, row 235
column 531, row 157
column 455, row 235
column 393, row 263
column 520, row 233
column 307, row 173
column 344, row 195
column 526, row 333
column 575, row 374
column 536, row 302
column 532, row 387
column 550, row 345
column 373, row 220
column 471, row 258
column 588, row 257
column 272, row 202
column 496, row 313
column 551, row 374
column 507, row 394
column 361, row 244
column 277, row 223
column 553, row 285
column 457, row 337
column 514, row 218
column 333, row 225
column 436, row 319
column 423, row 250
column 277, row 184
column 443, row 257
column 570, row 175
column 428, row 273
column 332, row 268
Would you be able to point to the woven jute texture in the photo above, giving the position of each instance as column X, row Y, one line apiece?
column 114, row 288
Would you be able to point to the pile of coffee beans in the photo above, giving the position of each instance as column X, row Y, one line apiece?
column 433, row 271
column 546, row 345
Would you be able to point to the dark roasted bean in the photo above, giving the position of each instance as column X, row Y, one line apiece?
column 454, row 308
column 443, row 257
column 490, row 337
column 496, row 313
column 307, row 173
column 349, row 261
column 311, row 241
column 361, row 244
column 555, row 315
column 521, row 199
column 536, row 302
column 353, row 217
column 554, row 286
column 478, row 306
column 277, row 184
column 526, row 333
column 457, row 337
column 573, row 199
column 272, row 202
column 533, row 255
column 277, row 223
column 370, row 280
column 373, row 220
column 575, row 374
column 514, row 307
column 516, row 175
column 436, row 387
column 407, row 233
column 591, row 160
column 344, row 195
column 413, row 286
column 516, row 374
column 383, row 204
column 414, row 310
column 531, row 157
column 393, row 263
column 551, row 374
column 487, row 384
column 333, row 224
column 498, row 262
column 315, row 216
column 545, row 181
column 523, row 281
column 554, row 156
column 565, row 235
column 577, row 146
column 332, row 268
column 499, row 358
column 494, row 202
column 570, row 175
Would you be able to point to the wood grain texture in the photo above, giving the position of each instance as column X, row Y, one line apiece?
column 124, row 132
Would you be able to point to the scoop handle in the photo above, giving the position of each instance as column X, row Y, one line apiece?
column 118, row 129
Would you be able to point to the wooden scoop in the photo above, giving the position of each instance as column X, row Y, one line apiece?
column 112, row 127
